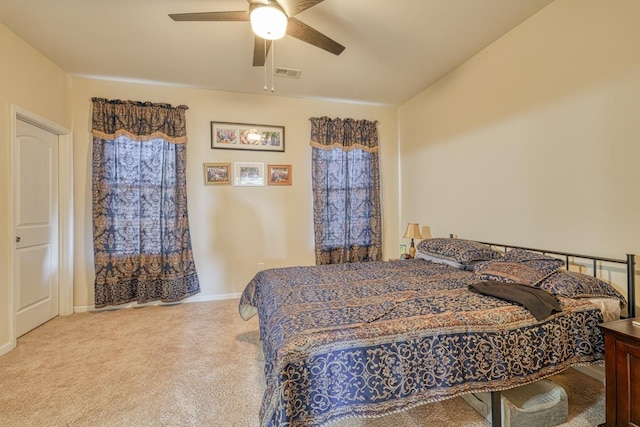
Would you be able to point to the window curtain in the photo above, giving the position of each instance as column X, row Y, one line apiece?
column 142, row 245
column 346, row 190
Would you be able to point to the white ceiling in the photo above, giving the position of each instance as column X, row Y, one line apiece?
column 394, row 49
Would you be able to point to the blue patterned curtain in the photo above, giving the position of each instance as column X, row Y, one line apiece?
column 142, row 246
column 346, row 190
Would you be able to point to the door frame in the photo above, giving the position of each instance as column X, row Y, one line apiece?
column 65, row 212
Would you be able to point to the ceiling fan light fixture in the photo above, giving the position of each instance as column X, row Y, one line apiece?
column 268, row 22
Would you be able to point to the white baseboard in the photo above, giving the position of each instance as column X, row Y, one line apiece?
column 220, row 297
column 195, row 298
column 6, row 348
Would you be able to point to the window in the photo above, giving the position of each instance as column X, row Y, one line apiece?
column 346, row 191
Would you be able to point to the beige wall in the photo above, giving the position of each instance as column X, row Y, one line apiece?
column 233, row 228
column 33, row 83
column 535, row 140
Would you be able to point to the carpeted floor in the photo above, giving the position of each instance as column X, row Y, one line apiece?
column 191, row 364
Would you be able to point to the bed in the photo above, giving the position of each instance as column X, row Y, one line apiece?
column 369, row 339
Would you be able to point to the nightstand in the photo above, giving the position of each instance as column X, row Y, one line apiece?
column 622, row 370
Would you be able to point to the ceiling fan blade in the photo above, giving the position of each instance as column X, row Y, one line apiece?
column 211, row 16
column 260, row 51
column 301, row 31
column 293, row 7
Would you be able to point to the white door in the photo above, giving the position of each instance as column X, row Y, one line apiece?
column 36, row 226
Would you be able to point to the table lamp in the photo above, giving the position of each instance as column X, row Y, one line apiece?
column 412, row 232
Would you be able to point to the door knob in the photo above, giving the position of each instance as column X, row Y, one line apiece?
column 18, row 239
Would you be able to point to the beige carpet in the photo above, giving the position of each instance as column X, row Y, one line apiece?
column 185, row 364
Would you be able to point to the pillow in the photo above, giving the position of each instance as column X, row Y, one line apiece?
column 438, row 260
column 577, row 285
column 543, row 263
column 509, row 272
column 460, row 251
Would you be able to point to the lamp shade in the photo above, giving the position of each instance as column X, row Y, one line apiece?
column 426, row 232
column 412, row 232
column 268, row 22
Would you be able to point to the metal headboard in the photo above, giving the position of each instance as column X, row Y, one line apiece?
column 629, row 263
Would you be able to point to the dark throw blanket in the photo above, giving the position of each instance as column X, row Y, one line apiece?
column 539, row 302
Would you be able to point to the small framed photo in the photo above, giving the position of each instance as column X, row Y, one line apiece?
column 217, row 173
column 248, row 174
column 244, row 136
column 279, row 174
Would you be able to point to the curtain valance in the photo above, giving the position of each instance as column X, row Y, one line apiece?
column 139, row 121
column 346, row 134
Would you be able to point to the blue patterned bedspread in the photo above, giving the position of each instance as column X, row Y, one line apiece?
column 373, row 338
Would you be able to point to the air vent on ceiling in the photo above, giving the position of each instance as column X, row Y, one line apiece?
column 290, row 73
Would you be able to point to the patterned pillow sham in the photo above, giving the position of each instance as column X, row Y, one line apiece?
column 458, row 250
column 543, row 263
column 509, row 272
column 577, row 285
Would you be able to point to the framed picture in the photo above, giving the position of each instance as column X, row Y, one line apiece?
column 248, row 174
column 279, row 174
column 217, row 173
column 243, row 136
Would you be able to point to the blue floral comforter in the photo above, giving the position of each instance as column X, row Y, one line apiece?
column 373, row 338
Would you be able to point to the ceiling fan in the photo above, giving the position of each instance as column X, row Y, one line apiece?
column 275, row 12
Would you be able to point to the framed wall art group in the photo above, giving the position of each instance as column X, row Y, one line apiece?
column 247, row 174
column 244, row 136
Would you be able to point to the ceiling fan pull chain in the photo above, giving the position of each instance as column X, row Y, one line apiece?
column 273, row 61
column 265, row 65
